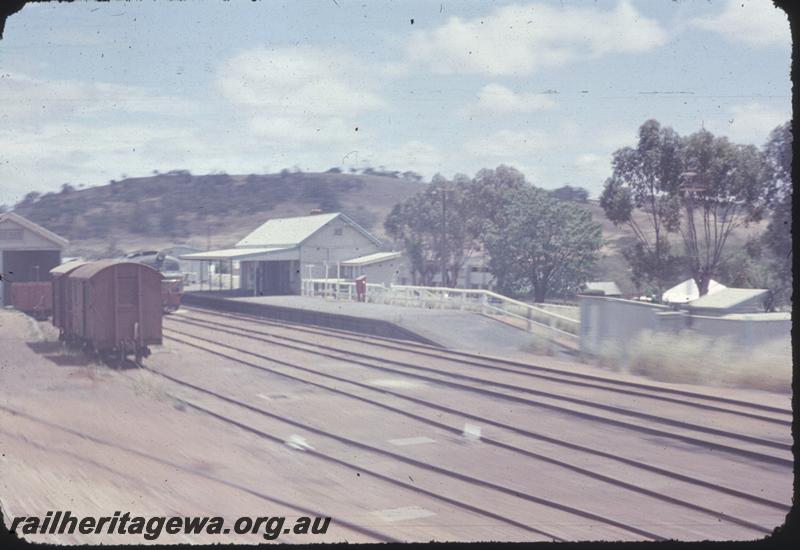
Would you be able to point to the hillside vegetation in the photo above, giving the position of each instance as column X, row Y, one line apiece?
column 208, row 210
column 217, row 210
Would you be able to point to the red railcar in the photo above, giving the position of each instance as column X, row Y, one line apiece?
column 34, row 298
column 62, row 310
column 115, row 307
column 171, row 292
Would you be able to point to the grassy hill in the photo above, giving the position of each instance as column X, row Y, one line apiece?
column 209, row 210
column 215, row 211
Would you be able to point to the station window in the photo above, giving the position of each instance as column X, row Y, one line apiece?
column 338, row 231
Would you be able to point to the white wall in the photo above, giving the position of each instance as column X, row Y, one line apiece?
column 394, row 271
column 29, row 241
column 327, row 246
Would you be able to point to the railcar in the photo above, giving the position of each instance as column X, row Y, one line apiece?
column 115, row 308
column 170, row 268
column 62, row 308
column 171, row 292
column 33, row 298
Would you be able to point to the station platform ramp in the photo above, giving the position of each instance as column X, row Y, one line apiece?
column 451, row 329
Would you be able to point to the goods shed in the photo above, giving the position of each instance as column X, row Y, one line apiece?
column 27, row 252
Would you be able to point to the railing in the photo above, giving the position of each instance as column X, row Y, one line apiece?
column 562, row 319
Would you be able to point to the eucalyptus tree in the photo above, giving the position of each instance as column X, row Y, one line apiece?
column 725, row 187
column 641, row 194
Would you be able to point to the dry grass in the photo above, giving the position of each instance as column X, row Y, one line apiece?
column 694, row 359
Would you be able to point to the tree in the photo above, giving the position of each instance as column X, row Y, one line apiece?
column 777, row 237
column 29, row 199
column 725, row 187
column 753, row 267
column 487, row 195
column 545, row 247
column 434, row 229
column 645, row 178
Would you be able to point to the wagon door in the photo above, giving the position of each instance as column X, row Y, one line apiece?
column 127, row 314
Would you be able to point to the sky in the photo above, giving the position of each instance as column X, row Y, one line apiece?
column 90, row 91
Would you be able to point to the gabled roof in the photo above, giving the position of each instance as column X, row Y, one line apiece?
column 288, row 232
column 731, row 299
column 46, row 234
column 374, row 258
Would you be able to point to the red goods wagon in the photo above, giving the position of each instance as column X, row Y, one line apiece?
column 34, row 298
column 116, row 307
column 171, row 292
column 61, row 306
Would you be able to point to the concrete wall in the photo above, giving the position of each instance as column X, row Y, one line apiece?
column 611, row 323
column 376, row 327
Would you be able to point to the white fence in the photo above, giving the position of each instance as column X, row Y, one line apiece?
column 561, row 319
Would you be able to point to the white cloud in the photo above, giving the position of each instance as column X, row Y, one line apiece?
column 28, row 100
column 519, row 39
column 751, row 122
column 505, row 144
column 299, row 95
column 752, row 22
column 496, row 98
column 298, row 80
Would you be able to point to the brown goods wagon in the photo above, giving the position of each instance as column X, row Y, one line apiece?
column 116, row 307
column 34, row 298
column 62, row 306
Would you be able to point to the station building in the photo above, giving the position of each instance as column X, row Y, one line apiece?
column 27, row 252
column 279, row 254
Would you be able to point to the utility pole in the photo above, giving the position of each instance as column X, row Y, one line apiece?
column 444, row 236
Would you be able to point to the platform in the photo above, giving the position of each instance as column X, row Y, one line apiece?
column 451, row 329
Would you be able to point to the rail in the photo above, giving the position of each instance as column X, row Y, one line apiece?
column 557, row 318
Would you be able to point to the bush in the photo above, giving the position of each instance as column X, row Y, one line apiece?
column 690, row 358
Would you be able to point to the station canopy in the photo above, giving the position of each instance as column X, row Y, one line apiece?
column 246, row 254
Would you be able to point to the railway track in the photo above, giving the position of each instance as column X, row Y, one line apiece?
column 272, row 500
column 565, row 464
column 705, row 401
column 760, row 449
column 440, row 470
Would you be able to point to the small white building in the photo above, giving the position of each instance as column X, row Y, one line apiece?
column 378, row 267
column 276, row 256
column 687, row 291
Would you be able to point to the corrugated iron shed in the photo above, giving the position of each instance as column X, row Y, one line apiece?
column 730, row 300
column 293, row 231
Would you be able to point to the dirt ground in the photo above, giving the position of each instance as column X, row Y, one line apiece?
column 81, row 437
